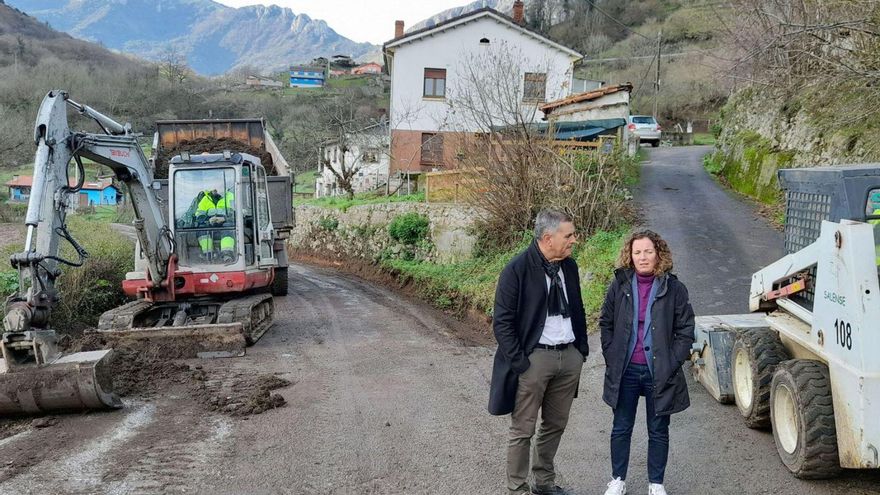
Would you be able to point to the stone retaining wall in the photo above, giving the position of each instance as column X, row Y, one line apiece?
column 362, row 231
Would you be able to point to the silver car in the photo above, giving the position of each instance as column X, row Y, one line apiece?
column 646, row 128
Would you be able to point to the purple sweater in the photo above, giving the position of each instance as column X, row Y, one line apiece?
column 645, row 282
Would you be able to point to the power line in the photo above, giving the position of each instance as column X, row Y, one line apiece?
column 606, row 14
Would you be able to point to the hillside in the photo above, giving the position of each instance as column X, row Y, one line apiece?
column 693, row 85
column 25, row 41
column 213, row 38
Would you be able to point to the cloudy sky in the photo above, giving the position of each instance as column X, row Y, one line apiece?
column 361, row 20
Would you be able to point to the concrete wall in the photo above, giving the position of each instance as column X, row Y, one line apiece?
column 362, row 232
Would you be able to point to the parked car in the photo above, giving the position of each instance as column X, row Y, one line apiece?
column 646, row 128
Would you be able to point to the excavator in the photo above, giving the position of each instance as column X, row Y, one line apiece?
column 206, row 260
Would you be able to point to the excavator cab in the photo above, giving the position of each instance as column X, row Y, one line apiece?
column 220, row 212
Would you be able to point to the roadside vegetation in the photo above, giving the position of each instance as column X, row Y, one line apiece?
column 85, row 291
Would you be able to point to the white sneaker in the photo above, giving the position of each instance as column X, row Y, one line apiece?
column 656, row 489
column 616, row 487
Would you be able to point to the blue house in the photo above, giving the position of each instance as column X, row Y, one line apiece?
column 92, row 193
column 302, row 76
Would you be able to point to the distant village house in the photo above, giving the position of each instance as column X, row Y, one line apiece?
column 369, row 68
column 302, row 76
column 366, row 151
column 92, row 193
column 260, row 82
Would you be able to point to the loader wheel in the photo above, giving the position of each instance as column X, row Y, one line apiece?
column 756, row 353
column 802, row 413
column 279, row 285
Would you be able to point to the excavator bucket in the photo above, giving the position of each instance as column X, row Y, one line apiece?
column 75, row 382
column 180, row 342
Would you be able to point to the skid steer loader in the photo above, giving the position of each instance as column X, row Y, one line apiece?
column 810, row 367
column 206, row 271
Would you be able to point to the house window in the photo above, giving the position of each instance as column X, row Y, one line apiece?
column 435, row 83
column 432, row 149
column 534, row 86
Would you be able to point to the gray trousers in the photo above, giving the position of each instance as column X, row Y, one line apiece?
column 549, row 385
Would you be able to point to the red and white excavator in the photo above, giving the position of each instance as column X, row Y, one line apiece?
column 204, row 277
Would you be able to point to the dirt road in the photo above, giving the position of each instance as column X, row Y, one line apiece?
column 383, row 399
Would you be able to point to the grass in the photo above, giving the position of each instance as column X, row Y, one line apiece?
column 704, row 138
column 343, row 203
column 471, row 283
column 305, row 182
column 85, row 291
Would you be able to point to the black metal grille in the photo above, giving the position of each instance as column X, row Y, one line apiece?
column 804, row 213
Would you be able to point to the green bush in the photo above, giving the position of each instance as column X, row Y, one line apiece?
column 409, row 228
column 91, row 289
column 328, row 223
column 713, row 163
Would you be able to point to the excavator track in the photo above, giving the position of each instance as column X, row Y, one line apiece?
column 239, row 323
column 255, row 313
column 122, row 318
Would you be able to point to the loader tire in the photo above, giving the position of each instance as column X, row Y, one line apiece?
column 756, row 353
column 802, row 412
column 279, row 284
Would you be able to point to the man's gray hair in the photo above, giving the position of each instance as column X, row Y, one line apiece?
column 548, row 220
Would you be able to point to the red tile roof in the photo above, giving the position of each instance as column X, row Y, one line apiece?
column 27, row 181
column 587, row 96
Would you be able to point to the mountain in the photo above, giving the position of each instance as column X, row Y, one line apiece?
column 553, row 10
column 212, row 37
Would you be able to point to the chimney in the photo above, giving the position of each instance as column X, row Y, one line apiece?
column 518, row 16
column 398, row 29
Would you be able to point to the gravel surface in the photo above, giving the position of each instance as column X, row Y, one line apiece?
column 385, row 398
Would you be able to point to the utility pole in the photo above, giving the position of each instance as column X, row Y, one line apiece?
column 657, row 80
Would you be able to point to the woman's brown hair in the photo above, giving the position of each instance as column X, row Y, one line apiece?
column 664, row 255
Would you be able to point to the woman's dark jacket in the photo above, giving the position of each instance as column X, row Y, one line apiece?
column 672, row 334
column 520, row 311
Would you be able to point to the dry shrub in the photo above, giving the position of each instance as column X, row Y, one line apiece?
column 514, row 176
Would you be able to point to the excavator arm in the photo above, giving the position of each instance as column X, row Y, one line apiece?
column 51, row 193
column 34, row 376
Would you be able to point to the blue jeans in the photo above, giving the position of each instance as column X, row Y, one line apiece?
column 637, row 382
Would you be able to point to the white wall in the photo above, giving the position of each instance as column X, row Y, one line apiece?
column 613, row 106
column 368, row 173
column 451, row 50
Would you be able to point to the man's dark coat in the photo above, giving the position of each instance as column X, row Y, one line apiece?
column 520, row 311
column 672, row 331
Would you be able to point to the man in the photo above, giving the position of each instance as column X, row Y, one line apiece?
column 541, row 330
column 215, row 210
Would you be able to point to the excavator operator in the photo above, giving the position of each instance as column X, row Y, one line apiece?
column 216, row 210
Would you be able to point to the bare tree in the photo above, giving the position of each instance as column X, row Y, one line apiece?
column 345, row 120
column 172, row 65
column 512, row 166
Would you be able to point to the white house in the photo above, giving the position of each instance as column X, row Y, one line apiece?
column 366, row 154
column 436, row 72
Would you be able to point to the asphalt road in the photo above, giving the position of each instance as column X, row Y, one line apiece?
column 717, row 239
column 385, row 400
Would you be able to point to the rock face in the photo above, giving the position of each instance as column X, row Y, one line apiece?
column 213, row 38
column 762, row 133
column 362, row 231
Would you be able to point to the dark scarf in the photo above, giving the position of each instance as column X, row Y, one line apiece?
column 556, row 302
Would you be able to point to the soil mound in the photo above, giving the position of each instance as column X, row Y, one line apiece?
column 211, row 145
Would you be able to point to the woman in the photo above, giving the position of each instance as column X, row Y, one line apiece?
column 646, row 298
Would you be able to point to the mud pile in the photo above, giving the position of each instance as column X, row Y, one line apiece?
column 211, row 145
column 238, row 394
column 145, row 372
